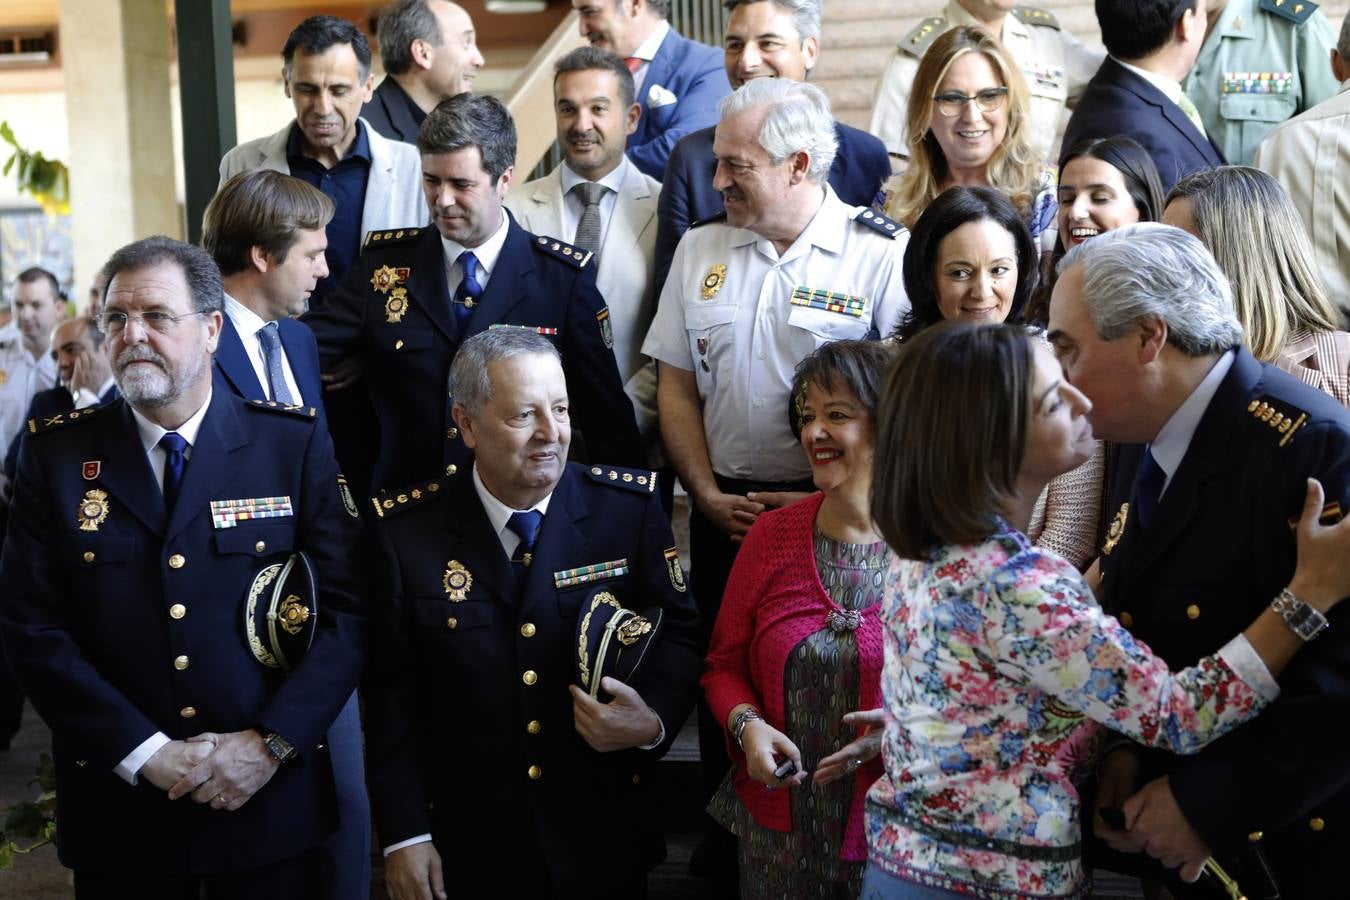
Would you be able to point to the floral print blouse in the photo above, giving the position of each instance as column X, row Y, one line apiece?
column 997, row 656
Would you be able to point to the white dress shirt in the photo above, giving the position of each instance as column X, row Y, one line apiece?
column 1174, row 438
column 646, row 51
column 21, row 376
column 85, row 398
column 486, row 253
column 573, row 206
column 129, row 768
column 248, row 324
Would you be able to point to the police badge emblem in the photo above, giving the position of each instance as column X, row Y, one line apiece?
column 396, row 306
column 606, row 329
column 1117, row 529
column 713, row 281
column 348, row 503
column 674, row 569
column 93, row 510
column 387, row 277
column 457, row 581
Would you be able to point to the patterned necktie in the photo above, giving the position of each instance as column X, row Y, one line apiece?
column 470, row 290
column 174, row 464
column 1192, row 113
column 276, row 379
column 588, row 229
column 526, row 526
column 633, row 63
column 1148, row 485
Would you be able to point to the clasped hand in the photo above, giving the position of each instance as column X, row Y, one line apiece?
column 224, row 770
column 1154, row 823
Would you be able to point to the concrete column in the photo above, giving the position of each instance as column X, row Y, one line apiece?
column 115, row 58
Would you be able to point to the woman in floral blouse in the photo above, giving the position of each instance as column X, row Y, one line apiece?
column 997, row 656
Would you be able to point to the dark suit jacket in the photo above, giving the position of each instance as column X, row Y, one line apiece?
column 1119, row 102
column 301, row 351
column 1218, row 551
column 450, row 749
column 86, row 623
column 389, row 112
column 861, row 166
column 43, row 405
column 407, row 361
column 696, row 74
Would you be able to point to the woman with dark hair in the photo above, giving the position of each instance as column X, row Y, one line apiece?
column 996, row 651
column 971, row 258
column 797, row 645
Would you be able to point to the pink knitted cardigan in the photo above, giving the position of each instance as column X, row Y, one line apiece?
column 774, row 599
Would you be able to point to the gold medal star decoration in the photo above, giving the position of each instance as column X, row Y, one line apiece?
column 93, row 510
column 713, row 281
column 457, row 581
column 1117, row 529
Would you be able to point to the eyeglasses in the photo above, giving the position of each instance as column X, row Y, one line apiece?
column 114, row 323
column 953, row 104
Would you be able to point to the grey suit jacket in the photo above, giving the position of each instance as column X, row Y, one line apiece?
column 393, row 192
column 624, row 275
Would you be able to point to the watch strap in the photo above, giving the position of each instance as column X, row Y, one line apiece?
column 1305, row 621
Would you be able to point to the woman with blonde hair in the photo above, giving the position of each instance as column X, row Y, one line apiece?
column 967, row 124
column 1247, row 220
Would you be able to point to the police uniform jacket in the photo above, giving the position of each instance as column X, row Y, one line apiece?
column 471, row 733
column 1219, row 549
column 1055, row 64
column 297, row 341
column 1262, row 63
column 121, row 621
column 394, row 309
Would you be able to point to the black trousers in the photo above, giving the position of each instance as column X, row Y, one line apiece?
column 291, row 879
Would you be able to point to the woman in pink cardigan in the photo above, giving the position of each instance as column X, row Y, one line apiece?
column 798, row 645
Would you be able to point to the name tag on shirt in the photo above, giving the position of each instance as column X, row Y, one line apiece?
column 229, row 513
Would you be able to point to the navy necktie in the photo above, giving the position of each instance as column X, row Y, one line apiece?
column 470, row 289
column 526, row 526
column 174, row 465
column 1148, row 485
column 276, row 379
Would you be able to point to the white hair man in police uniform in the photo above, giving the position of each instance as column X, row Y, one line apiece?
column 786, row 267
column 1057, row 67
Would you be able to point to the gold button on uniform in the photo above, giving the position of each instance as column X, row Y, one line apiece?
column 180, row 663
column 451, row 469
column 260, row 546
column 534, row 727
column 89, row 556
column 637, row 779
column 1316, row 824
column 1192, row 612
column 177, row 611
column 527, row 630
column 535, row 773
column 452, row 433
column 1127, row 620
column 177, row 561
column 529, row 677
column 1256, row 836
column 452, row 623
column 188, row 712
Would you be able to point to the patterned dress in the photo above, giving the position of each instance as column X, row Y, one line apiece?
column 996, row 656
column 821, row 684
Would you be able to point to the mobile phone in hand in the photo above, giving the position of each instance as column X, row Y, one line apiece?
column 785, row 770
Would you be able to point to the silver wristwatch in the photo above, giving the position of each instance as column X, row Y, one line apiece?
column 278, row 746
column 1302, row 619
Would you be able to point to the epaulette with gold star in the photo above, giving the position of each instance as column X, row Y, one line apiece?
column 639, row 480
column 879, row 223
column 1033, row 16
column 389, row 503
column 1281, row 420
column 923, row 34
column 57, row 420
column 566, row 252
column 390, row 236
column 305, row 412
column 1298, row 13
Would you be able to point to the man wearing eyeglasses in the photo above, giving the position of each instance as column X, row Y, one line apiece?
column 188, row 763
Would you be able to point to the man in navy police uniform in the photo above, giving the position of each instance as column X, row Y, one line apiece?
column 416, row 295
column 1220, row 448
column 122, row 597
column 492, row 773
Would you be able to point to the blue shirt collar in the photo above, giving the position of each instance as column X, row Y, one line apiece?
column 360, row 148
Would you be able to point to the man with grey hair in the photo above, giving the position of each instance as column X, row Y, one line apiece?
column 1218, row 450
column 493, row 773
column 787, row 267
column 1310, row 156
column 430, row 53
column 764, row 39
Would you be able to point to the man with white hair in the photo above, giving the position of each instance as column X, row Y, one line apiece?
column 785, row 268
column 1219, row 450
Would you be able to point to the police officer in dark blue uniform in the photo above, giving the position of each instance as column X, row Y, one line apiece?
column 416, row 294
column 1200, row 541
column 139, row 532
column 492, row 772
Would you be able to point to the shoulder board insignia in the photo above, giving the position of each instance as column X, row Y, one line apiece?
column 1296, row 11
column 1033, row 16
column 879, row 223
column 47, row 423
column 389, row 503
column 916, row 42
column 1282, row 421
column 719, row 216
column 390, row 236
column 641, row 481
column 566, row 252
column 305, row 412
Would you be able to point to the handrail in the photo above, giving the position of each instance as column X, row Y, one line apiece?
column 530, row 99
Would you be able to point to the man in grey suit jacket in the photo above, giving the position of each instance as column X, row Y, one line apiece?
column 596, row 111
column 374, row 183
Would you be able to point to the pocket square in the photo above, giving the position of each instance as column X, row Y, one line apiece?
column 658, row 97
